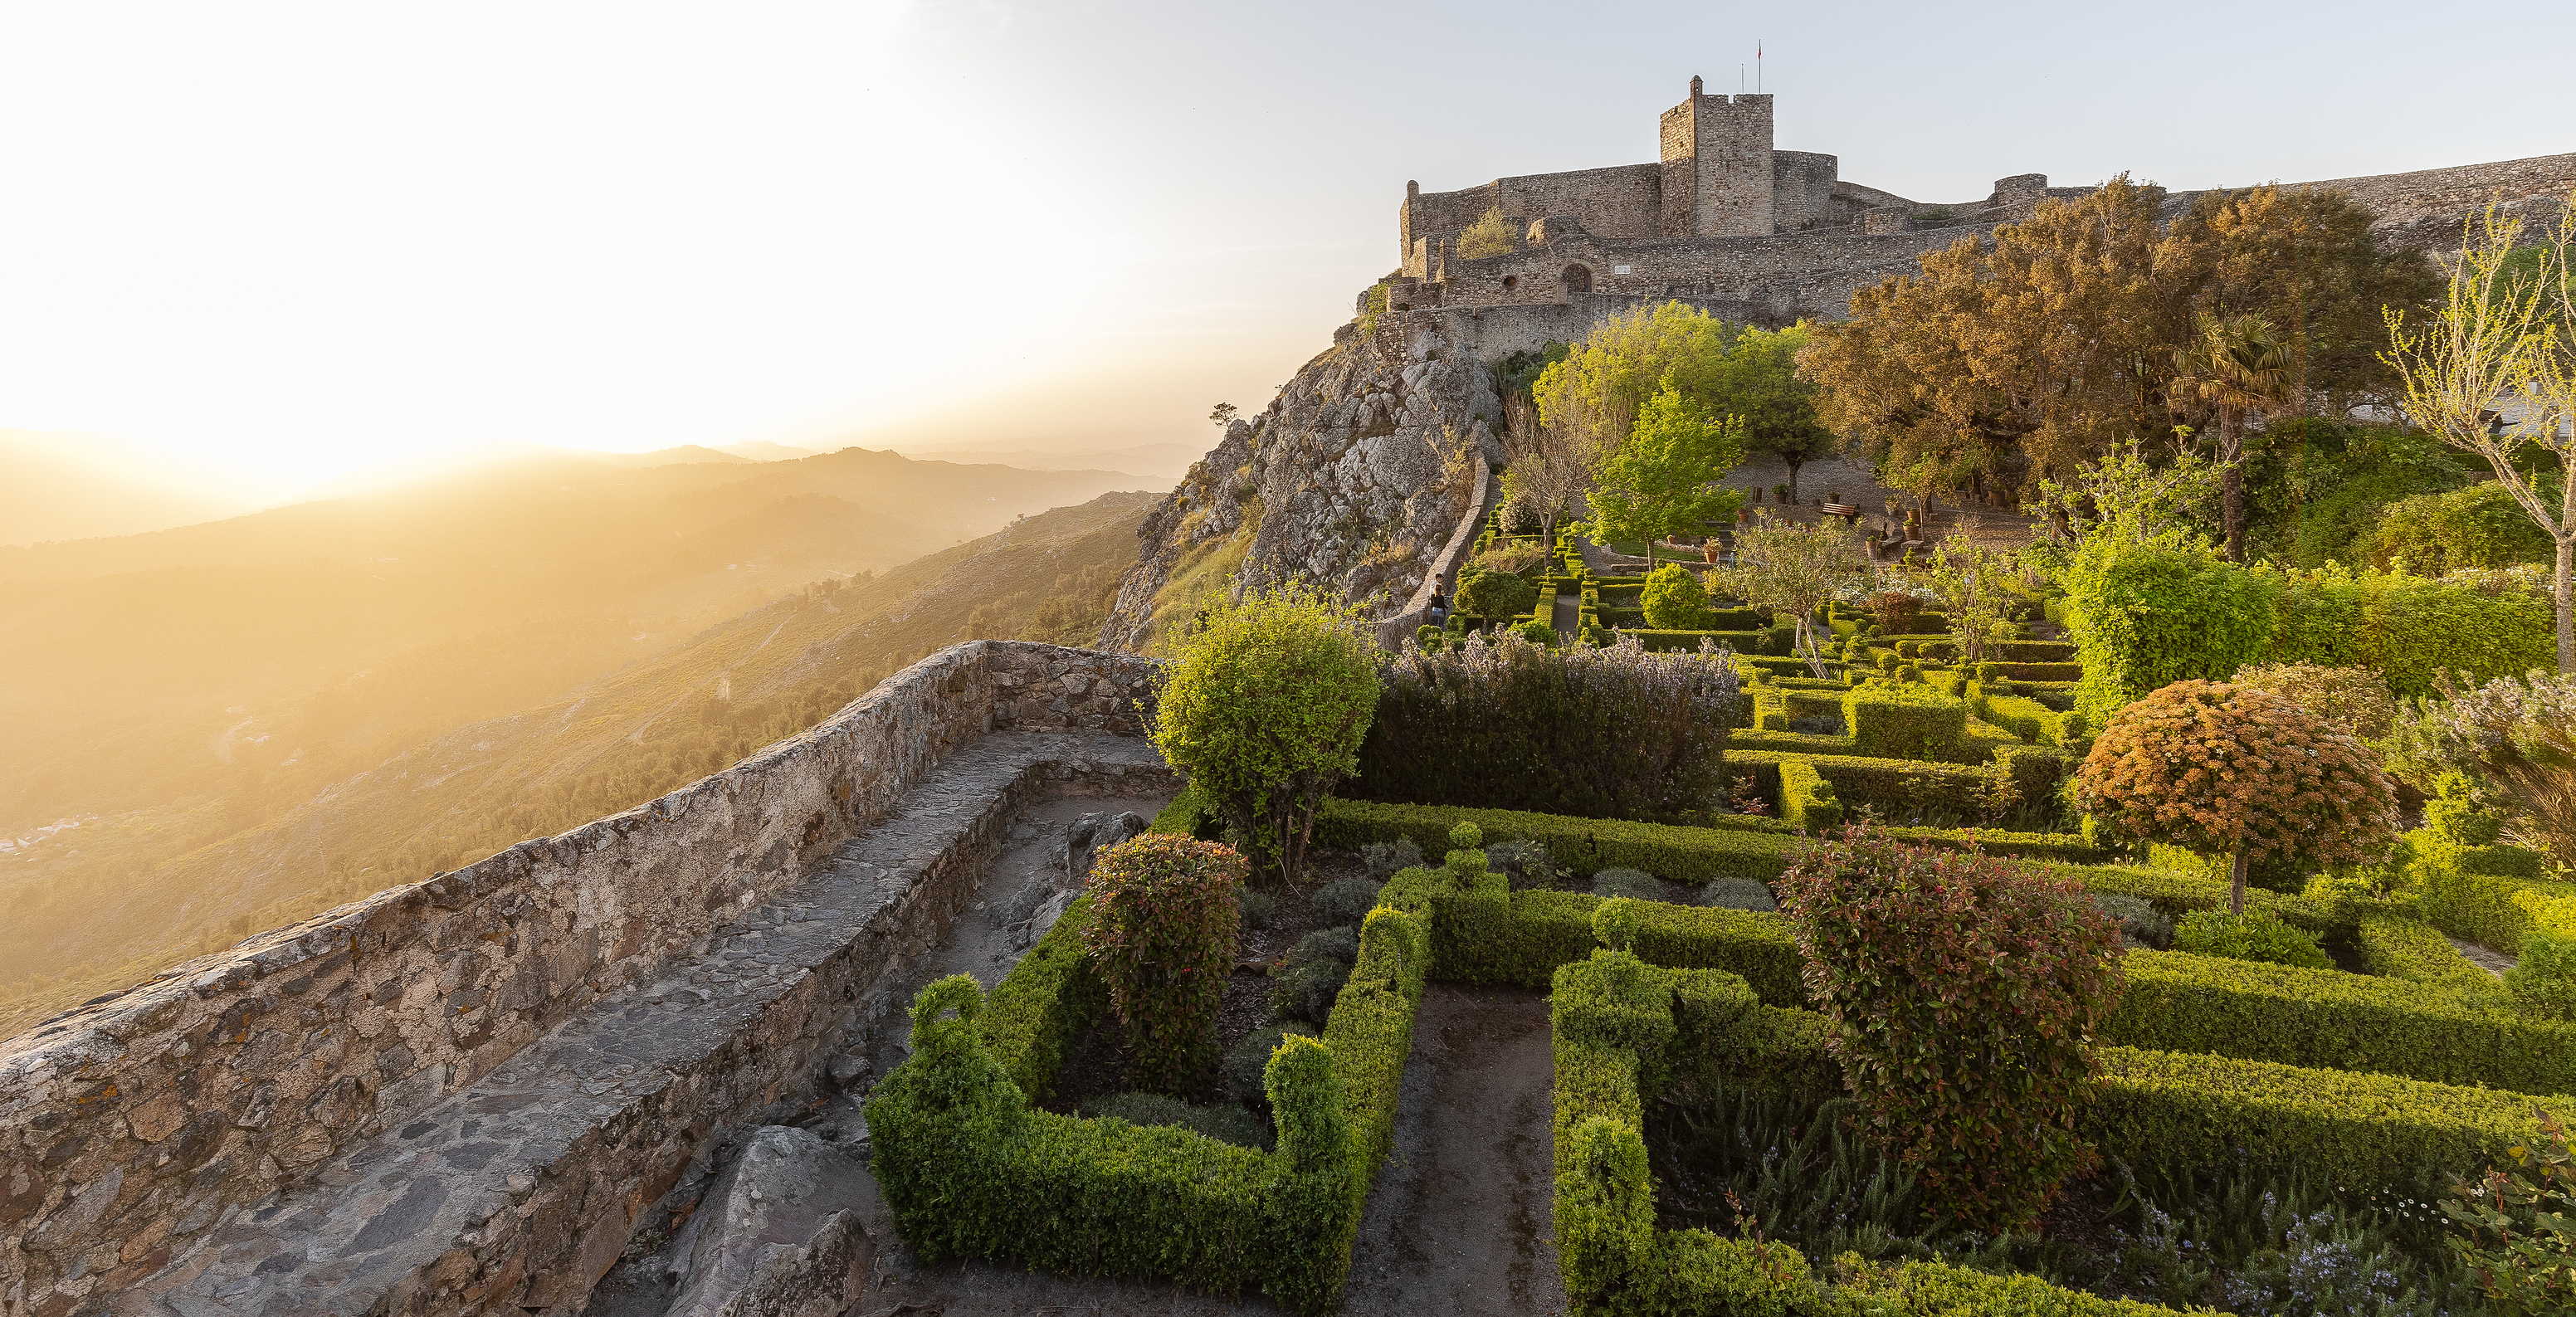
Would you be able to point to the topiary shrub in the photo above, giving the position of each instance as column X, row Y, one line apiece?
column 1347, row 901
column 1162, row 936
column 1247, row 1060
column 1635, row 884
column 1536, row 632
column 2253, row 935
column 1264, row 711
column 1890, row 721
column 1962, row 999
column 1674, row 600
column 1738, row 894
column 1495, row 596
column 1895, row 611
column 2237, row 771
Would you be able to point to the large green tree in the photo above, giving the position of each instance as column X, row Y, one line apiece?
column 1757, row 381
column 1666, row 478
column 2022, row 355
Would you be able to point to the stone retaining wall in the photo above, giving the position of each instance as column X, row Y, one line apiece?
column 129, row 1126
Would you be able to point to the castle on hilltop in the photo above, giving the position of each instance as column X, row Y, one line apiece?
column 1727, row 221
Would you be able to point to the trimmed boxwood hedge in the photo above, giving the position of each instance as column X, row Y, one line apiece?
column 2175, row 894
column 2396, row 947
column 2332, row 1020
column 971, row 1169
column 1617, row 1027
column 1730, row 846
column 1806, row 799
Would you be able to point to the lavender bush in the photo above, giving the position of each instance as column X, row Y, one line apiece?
column 2515, row 739
column 1599, row 732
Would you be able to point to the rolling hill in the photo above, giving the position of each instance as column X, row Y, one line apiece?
column 326, row 798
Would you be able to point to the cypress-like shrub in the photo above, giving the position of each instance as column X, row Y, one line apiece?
column 1675, row 601
column 1608, row 732
column 1162, row 937
column 1963, row 1000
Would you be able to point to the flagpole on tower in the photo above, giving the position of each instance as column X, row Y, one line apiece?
column 1757, row 65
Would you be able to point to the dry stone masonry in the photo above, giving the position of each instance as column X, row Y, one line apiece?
column 457, row 1096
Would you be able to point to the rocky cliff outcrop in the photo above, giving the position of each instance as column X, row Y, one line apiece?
column 1354, row 477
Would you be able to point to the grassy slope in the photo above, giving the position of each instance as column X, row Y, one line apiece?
column 153, row 884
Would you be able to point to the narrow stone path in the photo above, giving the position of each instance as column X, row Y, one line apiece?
column 1568, row 615
column 2493, row 962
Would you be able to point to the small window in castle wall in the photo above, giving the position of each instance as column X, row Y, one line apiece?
column 1510, row 282
column 1623, row 269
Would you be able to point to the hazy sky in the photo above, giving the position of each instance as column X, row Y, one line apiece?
column 297, row 239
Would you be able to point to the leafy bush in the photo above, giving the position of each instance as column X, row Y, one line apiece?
column 1162, row 935
column 2544, row 978
column 2480, row 526
column 1316, row 969
column 2520, row 1224
column 1738, row 894
column 1611, row 732
column 1675, row 601
column 1258, row 906
column 2514, row 740
column 1345, row 902
column 1519, row 557
column 2411, row 629
column 1490, row 235
column 1495, row 596
column 1264, row 710
column 1536, row 632
column 2257, row 935
column 2140, row 924
column 1807, row 800
column 2236, row 770
column 1963, row 999
column 1523, row 861
column 1248, row 1059
column 1896, row 611
column 1635, row 884
column 1385, row 857
column 1225, row 1124
column 2354, row 699
column 2152, row 616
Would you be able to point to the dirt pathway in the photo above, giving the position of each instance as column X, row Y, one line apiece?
column 1462, row 1221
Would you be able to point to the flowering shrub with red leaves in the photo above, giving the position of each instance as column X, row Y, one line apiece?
column 1162, row 932
column 1963, row 999
column 2235, row 770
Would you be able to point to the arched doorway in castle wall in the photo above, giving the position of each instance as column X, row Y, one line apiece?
column 1575, row 279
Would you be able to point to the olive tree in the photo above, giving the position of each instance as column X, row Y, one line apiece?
column 1969, row 582
column 2237, row 770
column 1264, row 710
column 1793, row 569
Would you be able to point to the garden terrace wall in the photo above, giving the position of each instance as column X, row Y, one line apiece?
column 135, row 1122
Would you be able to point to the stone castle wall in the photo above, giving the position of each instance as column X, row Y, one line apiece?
column 132, row 1126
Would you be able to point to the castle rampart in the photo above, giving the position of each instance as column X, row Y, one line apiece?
column 150, row 1140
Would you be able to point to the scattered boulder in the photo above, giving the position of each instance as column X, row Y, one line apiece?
column 777, row 1233
column 1093, row 833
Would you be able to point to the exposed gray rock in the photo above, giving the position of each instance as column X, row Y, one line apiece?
column 776, row 1233
column 1355, row 476
column 1093, row 833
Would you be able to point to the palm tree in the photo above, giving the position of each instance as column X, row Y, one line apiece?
column 2238, row 368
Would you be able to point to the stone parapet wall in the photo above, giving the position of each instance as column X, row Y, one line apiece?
column 129, row 1126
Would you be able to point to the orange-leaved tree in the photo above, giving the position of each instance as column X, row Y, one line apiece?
column 2235, row 770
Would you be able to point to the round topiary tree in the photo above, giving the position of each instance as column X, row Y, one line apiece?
column 1674, row 600
column 1161, row 935
column 1495, row 595
column 1962, row 998
column 1264, row 710
column 2240, row 771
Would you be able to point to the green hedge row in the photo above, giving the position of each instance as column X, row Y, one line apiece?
column 971, row 1169
column 1731, row 846
column 1489, row 935
column 1617, row 1026
column 2395, row 947
column 1043, row 1007
column 2328, row 1019
column 2174, row 894
column 2485, row 894
column 1806, row 799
